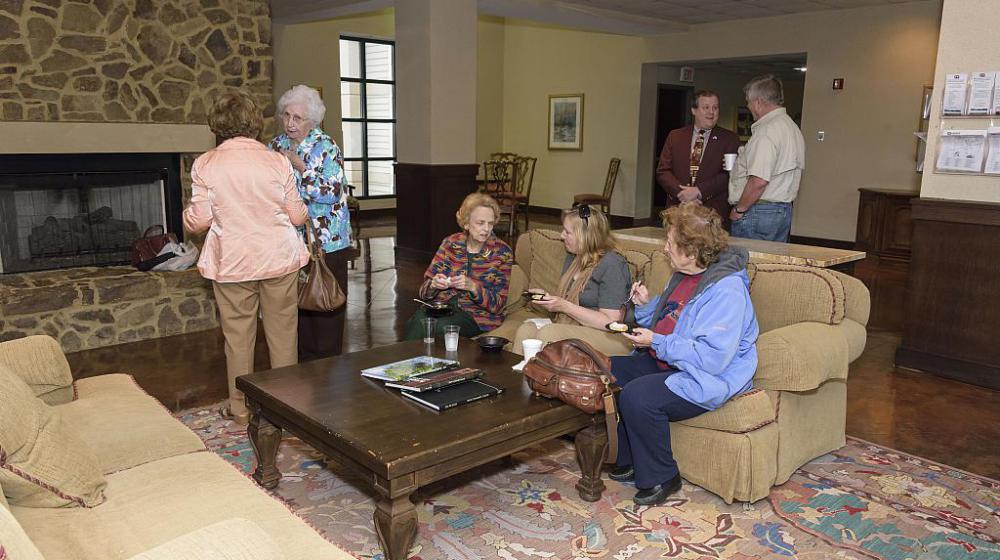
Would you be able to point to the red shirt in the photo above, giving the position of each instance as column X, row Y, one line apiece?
column 675, row 303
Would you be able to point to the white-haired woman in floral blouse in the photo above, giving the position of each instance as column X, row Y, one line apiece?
column 319, row 172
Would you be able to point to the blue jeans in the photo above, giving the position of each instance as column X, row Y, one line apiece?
column 646, row 407
column 770, row 221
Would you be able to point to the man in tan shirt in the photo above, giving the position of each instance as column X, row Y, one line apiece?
column 768, row 170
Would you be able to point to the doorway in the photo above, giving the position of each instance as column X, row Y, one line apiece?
column 672, row 103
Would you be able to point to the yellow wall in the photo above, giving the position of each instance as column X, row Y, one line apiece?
column 540, row 61
column 969, row 43
column 886, row 55
column 489, row 94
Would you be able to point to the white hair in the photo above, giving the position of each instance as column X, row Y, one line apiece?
column 308, row 98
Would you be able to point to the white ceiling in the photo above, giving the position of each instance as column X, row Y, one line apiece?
column 628, row 17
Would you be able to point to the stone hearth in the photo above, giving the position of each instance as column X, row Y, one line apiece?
column 92, row 307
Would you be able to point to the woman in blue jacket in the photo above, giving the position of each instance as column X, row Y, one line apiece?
column 695, row 349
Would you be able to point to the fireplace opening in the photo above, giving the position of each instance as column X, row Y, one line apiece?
column 83, row 209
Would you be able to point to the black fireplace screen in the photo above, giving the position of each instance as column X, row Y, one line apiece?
column 69, row 219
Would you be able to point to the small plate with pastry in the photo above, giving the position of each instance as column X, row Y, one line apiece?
column 619, row 327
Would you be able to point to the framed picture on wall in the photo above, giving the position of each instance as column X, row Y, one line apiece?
column 566, row 122
column 742, row 122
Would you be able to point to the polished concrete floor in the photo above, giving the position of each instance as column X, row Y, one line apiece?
column 939, row 419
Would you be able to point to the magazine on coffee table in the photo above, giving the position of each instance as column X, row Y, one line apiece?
column 410, row 367
column 436, row 380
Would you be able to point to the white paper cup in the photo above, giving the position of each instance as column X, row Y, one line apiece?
column 531, row 347
column 728, row 161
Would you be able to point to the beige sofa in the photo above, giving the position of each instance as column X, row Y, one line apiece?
column 812, row 325
column 167, row 496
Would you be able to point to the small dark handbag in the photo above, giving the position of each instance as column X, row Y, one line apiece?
column 320, row 290
column 150, row 244
column 580, row 376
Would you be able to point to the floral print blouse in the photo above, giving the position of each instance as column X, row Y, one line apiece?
column 323, row 187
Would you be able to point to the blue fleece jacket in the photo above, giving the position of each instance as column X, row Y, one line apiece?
column 714, row 344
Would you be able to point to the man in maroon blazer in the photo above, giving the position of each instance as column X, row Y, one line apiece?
column 679, row 159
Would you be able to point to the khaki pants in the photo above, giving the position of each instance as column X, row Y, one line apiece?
column 277, row 300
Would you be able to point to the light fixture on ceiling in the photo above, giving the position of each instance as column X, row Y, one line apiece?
column 800, row 68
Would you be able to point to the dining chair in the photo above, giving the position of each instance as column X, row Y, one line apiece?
column 604, row 199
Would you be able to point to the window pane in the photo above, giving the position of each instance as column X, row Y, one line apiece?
column 381, row 180
column 380, row 140
column 380, row 101
column 352, row 140
column 353, row 170
column 378, row 61
column 350, row 100
column 350, row 59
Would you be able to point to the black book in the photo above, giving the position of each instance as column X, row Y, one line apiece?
column 454, row 395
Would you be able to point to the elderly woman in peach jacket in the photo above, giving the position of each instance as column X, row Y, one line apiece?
column 245, row 196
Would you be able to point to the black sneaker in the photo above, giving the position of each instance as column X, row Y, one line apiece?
column 622, row 474
column 659, row 493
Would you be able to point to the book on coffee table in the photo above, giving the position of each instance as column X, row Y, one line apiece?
column 454, row 395
column 410, row 367
column 436, row 380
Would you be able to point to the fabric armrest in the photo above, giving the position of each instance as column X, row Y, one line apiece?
column 800, row 357
column 518, row 283
column 232, row 539
column 40, row 362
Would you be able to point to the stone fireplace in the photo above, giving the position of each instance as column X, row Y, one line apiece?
column 103, row 109
column 71, row 210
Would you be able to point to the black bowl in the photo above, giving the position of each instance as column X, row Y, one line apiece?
column 492, row 343
column 438, row 309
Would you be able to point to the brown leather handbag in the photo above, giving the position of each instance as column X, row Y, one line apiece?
column 320, row 290
column 580, row 376
column 150, row 244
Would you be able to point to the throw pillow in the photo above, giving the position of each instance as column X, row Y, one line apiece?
column 43, row 463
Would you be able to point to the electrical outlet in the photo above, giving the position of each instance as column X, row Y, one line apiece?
column 820, row 135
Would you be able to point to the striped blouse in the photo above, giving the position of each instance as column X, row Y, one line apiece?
column 489, row 269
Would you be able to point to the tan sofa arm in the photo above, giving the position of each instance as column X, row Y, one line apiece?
column 518, row 283
column 40, row 362
column 232, row 539
column 800, row 357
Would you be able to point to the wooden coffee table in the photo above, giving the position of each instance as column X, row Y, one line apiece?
column 400, row 445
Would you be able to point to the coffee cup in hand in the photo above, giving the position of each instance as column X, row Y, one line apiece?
column 728, row 161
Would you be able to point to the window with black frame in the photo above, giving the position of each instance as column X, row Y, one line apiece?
column 368, row 113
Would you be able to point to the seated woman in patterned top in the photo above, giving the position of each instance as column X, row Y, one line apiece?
column 471, row 271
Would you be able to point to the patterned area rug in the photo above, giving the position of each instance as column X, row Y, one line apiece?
column 862, row 501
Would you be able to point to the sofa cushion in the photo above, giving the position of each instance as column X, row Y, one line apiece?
column 548, row 254
column 741, row 414
column 801, row 357
column 106, row 403
column 40, row 362
column 156, row 502
column 43, row 462
column 232, row 539
column 657, row 272
column 784, row 295
column 14, row 544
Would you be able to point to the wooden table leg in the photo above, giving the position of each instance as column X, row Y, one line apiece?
column 264, row 438
column 396, row 525
column 591, row 443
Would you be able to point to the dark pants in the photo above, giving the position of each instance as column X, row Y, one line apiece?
column 646, row 407
column 321, row 333
column 466, row 324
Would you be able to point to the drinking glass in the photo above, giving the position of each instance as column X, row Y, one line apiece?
column 451, row 338
column 430, row 324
